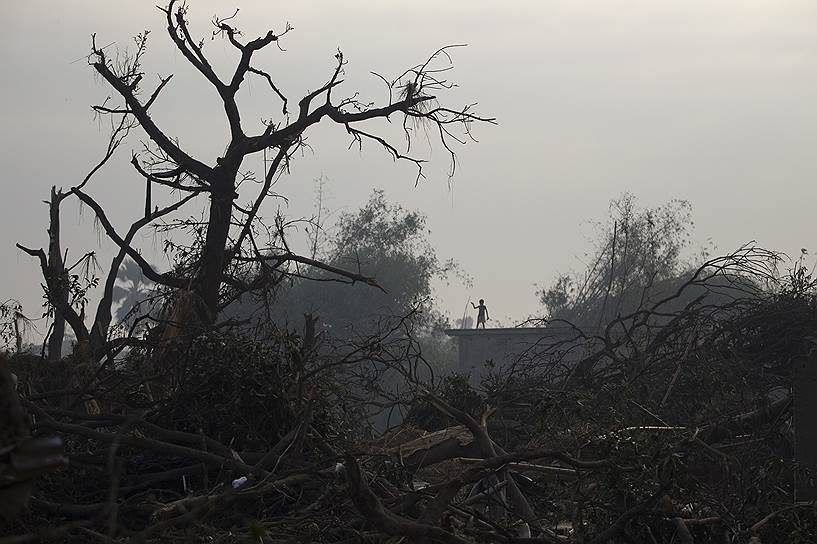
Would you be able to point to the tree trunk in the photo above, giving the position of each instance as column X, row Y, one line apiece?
column 211, row 266
column 103, row 317
column 56, row 269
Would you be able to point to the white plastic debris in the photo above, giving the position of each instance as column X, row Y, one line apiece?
column 238, row 482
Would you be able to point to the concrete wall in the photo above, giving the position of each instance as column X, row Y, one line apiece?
column 501, row 346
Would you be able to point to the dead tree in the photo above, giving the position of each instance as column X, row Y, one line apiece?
column 56, row 268
column 230, row 246
column 61, row 291
column 55, row 276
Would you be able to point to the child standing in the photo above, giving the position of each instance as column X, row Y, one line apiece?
column 482, row 313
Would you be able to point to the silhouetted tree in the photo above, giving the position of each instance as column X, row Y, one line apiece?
column 65, row 285
column 381, row 240
column 638, row 251
column 235, row 252
column 232, row 251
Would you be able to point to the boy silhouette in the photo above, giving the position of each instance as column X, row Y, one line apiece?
column 482, row 314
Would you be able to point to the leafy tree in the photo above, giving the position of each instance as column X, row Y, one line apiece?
column 637, row 256
column 381, row 240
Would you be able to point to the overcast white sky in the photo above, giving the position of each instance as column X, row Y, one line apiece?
column 710, row 101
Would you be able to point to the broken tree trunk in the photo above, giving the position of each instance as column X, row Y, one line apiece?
column 56, row 270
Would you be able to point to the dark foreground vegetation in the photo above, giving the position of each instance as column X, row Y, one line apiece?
column 664, row 426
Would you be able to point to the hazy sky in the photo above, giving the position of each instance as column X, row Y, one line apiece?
column 710, row 101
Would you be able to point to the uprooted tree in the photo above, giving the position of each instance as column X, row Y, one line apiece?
column 234, row 251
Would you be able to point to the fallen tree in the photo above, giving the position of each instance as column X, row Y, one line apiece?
column 269, row 440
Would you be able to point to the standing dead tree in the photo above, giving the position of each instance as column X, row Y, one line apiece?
column 230, row 258
column 64, row 295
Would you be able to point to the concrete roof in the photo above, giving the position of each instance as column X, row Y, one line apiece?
column 514, row 331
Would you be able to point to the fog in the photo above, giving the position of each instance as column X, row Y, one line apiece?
column 448, row 272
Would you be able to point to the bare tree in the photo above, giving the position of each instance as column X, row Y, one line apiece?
column 64, row 292
column 57, row 279
column 64, row 296
column 232, row 259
